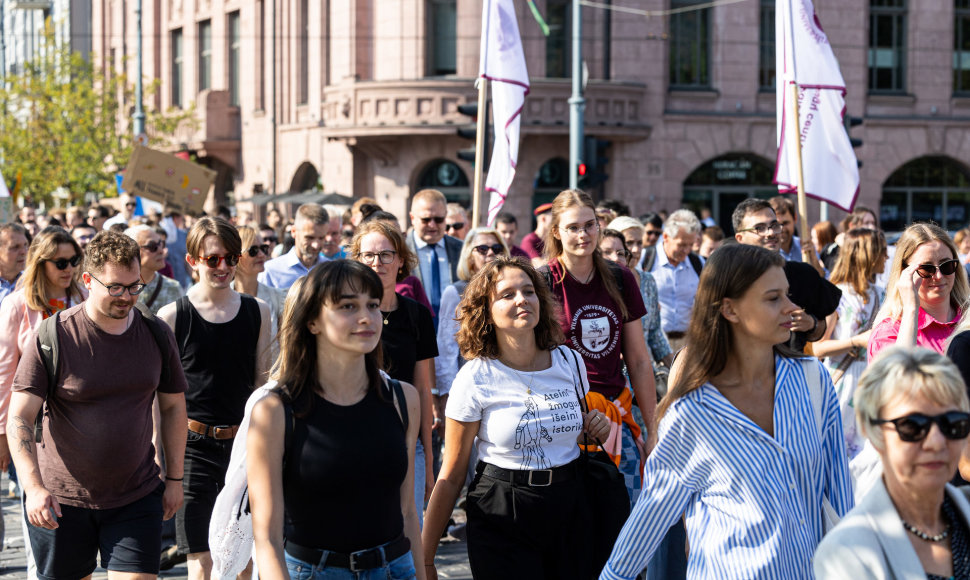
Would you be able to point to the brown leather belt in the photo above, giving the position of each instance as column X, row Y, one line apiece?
column 213, row 432
column 676, row 335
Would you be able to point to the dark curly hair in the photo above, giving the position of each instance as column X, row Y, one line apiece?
column 476, row 336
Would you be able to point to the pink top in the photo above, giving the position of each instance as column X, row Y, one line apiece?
column 930, row 333
column 18, row 326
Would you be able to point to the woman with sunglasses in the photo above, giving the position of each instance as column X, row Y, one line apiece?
column 50, row 283
column 481, row 247
column 911, row 404
column 407, row 336
column 601, row 311
column 926, row 294
column 254, row 255
column 746, row 455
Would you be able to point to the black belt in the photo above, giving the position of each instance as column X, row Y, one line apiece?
column 534, row 478
column 676, row 335
column 362, row 560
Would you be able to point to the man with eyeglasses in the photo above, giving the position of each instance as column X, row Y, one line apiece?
column 13, row 256
column 438, row 254
column 128, row 205
column 756, row 223
column 791, row 246
column 223, row 340
column 310, row 231
column 677, row 272
column 159, row 290
column 93, row 486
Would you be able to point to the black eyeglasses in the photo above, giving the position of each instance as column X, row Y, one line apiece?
column 119, row 289
column 455, row 226
column 154, row 246
column 947, row 268
column 213, row 261
column 763, row 229
column 386, row 257
column 435, row 219
column 915, row 427
column 484, row 248
column 62, row 263
column 131, row 204
column 254, row 251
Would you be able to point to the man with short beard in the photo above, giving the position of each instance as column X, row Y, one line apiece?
column 93, row 485
column 309, row 232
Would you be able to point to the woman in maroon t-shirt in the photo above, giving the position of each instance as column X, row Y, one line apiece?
column 601, row 321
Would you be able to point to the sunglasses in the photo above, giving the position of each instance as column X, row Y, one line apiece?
column 155, row 246
column 455, row 226
column 653, row 233
column 254, row 251
column 435, row 219
column 914, row 428
column 130, row 204
column 62, row 263
column 947, row 268
column 348, row 233
column 119, row 289
column 483, row 249
column 270, row 239
column 213, row 261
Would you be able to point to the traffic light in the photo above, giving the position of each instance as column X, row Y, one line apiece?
column 851, row 122
column 470, row 131
column 592, row 171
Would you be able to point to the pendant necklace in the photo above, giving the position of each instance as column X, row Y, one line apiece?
column 532, row 378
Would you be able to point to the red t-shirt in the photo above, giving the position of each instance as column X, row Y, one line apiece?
column 533, row 245
column 593, row 324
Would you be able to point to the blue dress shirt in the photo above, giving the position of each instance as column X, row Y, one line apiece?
column 282, row 272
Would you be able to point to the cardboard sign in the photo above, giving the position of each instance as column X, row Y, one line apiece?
column 6, row 210
column 177, row 184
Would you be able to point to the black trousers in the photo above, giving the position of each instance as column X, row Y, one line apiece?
column 519, row 531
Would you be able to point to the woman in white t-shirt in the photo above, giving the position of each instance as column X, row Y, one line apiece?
column 519, row 394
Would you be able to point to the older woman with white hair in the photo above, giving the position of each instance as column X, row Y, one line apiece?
column 911, row 403
column 653, row 334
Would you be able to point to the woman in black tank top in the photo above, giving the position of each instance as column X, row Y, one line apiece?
column 331, row 453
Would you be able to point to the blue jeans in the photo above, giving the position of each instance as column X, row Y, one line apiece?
column 401, row 568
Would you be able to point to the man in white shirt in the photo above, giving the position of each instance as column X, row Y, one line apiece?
column 309, row 232
column 677, row 275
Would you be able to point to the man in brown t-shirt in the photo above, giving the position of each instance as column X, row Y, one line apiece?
column 93, row 485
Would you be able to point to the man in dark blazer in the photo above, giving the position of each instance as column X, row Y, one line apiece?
column 437, row 253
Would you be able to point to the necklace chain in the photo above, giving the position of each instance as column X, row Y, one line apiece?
column 532, row 378
column 924, row 536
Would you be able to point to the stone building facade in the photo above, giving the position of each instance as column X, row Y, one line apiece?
column 360, row 97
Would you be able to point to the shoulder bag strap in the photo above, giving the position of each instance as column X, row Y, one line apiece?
column 397, row 393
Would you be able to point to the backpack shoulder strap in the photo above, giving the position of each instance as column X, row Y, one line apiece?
column 47, row 340
column 397, row 392
column 546, row 274
column 695, row 262
column 161, row 339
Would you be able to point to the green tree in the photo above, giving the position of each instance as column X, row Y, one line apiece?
column 65, row 124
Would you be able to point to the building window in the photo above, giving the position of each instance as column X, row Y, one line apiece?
column 177, row 67
column 205, row 55
column 233, row 54
column 558, row 43
column 887, row 46
column 443, row 21
column 690, row 46
column 961, row 47
column 303, row 58
column 260, row 56
column 766, row 65
column 926, row 189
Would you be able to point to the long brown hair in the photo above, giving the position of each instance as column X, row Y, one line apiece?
column 571, row 198
column 862, row 251
column 296, row 369
column 34, row 280
column 729, row 273
column 476, row 334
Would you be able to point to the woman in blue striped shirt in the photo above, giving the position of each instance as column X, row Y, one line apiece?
column 740, row 455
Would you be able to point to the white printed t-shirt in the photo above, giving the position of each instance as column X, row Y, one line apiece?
column 518, row 430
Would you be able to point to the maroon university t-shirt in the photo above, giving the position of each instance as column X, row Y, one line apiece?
column 593, row 324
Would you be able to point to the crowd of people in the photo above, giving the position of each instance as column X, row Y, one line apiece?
column 765, row 405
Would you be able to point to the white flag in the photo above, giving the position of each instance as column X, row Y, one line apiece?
column 4, row 192
column 804, row 56
column 502, row 62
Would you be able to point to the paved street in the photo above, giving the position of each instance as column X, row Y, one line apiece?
column 452, row 558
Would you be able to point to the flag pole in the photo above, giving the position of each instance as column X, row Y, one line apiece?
column 796, row 138
column 482, row 83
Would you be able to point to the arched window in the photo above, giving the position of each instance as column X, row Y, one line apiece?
column 933, row 188
column 722, row 183
column 448, row 178
column 305, row 178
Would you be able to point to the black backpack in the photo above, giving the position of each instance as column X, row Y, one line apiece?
column 650, row 256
